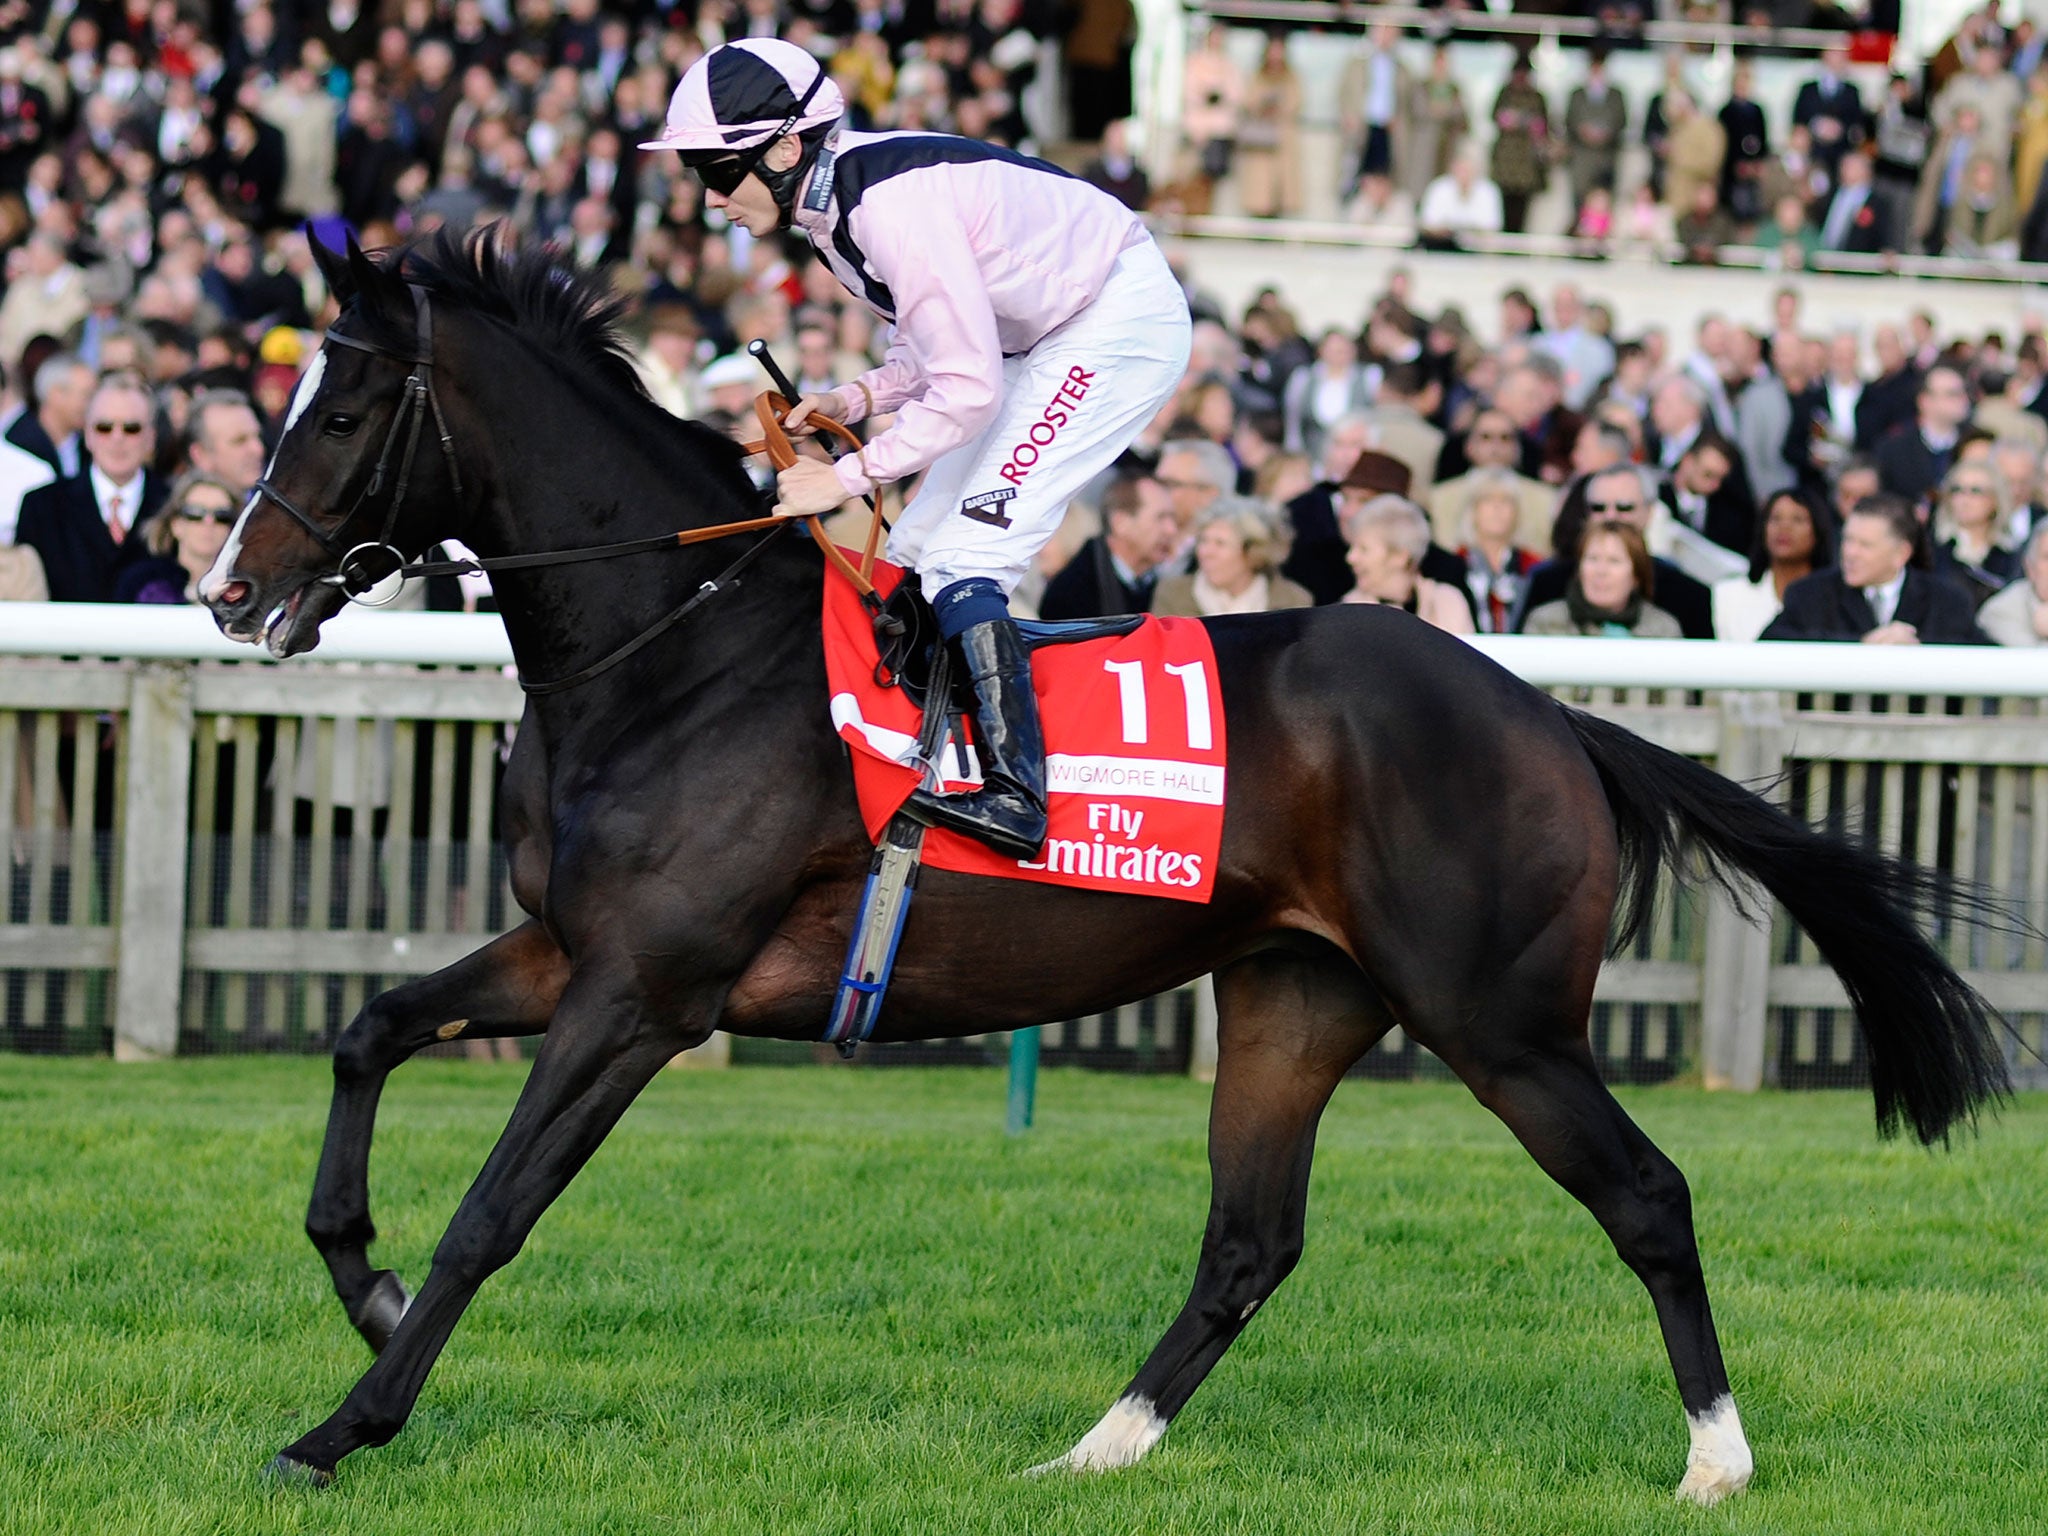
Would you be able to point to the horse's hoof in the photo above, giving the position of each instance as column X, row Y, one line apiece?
column 1720, row 1462
column 382, row 1308
column 287, row 1472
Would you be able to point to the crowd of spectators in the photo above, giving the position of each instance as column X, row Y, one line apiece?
column 161, row 175
column 1945, row 160
column 1738, row 483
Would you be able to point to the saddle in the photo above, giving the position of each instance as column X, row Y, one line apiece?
column 914, row 658
column 907, row 636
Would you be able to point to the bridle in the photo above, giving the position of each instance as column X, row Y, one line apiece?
column 352, row 575
column 358, row 582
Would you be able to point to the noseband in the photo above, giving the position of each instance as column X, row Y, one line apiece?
column 352, row 574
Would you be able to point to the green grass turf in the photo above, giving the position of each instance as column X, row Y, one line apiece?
column 811, row 1300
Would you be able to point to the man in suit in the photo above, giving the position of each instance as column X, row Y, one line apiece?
column 1115, row 571
column 1914, row 456
column 1709, row 494
column 1832, row 110
column 1873, row 594
column 1854, row 219
column 63, row 385
column 85, row 527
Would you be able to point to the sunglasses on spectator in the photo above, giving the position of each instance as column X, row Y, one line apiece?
column 1597, row 507
column 1493, row 437
column 129, row 428
column 225, row 516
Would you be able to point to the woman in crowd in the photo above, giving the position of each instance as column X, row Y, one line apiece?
column 1610, row 591
column 1334, row 386
column 182, row 540
column 1521, row 145
column 1795, row 537
column 1268, row 151
column 1494, row 567
column 1389, row 537
column 1970, row 523
column 1237, row 560
column 1212, row 101
column 2019, row 614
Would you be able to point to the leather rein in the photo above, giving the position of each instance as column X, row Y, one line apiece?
column 356, row 579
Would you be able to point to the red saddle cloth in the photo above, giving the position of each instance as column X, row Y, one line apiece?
column 1134, row 753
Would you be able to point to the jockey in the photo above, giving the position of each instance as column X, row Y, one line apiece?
column 1037, row 329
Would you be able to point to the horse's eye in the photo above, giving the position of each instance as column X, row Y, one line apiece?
column 339, row 425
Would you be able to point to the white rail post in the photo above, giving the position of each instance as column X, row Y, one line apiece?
column 1734, row 986
column 155, row 829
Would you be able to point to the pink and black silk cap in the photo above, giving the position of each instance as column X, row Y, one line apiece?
column 745, row 95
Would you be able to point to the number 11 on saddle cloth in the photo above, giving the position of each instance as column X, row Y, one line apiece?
column 1135, row 754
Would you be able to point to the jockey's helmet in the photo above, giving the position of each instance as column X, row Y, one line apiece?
column 740, row 99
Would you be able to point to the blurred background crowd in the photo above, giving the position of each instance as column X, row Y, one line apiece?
column 1513, row 461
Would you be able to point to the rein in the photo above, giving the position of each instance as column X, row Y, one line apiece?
column 355, row 579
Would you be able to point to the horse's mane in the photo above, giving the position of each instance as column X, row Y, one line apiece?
column 570, row 315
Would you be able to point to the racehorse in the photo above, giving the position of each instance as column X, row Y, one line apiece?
column 1412, row 836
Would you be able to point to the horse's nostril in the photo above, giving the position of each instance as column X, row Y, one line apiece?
column 233, row 594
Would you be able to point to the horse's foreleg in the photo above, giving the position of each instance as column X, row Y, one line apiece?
column 508, row 987
column 601, row 1052
column 1289, row 1028
column 1554, row 1101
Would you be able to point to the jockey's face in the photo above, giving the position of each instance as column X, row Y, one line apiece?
column 751, row 205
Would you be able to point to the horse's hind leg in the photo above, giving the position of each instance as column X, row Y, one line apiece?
column 508, row 987
column 1289, row 1025
column 1552, row 1098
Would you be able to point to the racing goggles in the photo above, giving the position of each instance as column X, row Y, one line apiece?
column 723, row 173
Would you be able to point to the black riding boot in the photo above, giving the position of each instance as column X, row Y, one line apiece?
column 1008, row 811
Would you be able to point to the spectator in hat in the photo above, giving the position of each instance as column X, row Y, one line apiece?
column 729, row 384
column 1319, row 559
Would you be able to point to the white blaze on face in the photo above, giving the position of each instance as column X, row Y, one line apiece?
column 223, row 563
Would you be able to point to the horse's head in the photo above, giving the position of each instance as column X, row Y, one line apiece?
column 363, row 451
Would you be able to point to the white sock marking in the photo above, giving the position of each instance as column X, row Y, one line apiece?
column 1719, row 1463
column 1122, row 1437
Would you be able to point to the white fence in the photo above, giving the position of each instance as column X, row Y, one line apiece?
column 210, row 851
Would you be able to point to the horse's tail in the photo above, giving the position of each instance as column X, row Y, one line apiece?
column 1934, row 1054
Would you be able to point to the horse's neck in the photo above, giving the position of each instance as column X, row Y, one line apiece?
column 572, row 475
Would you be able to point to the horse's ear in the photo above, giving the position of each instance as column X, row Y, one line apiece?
column 366, row 278
column 334, row 267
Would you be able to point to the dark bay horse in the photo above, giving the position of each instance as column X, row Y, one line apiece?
column 1412, row 836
